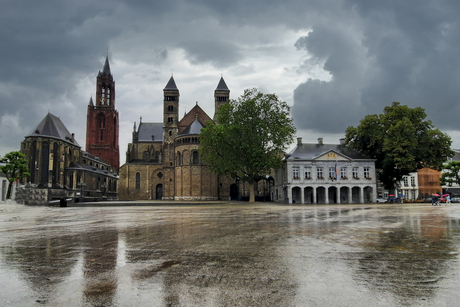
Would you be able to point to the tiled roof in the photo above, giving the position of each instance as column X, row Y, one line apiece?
column 52, row 126
column 193, row 129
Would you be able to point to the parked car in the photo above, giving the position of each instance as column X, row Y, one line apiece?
column 455, row 199
column 382, row 200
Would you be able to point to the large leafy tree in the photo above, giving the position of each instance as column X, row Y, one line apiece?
column 451, row 173
column 248, row 138
column 402, row 141
column 15, row 168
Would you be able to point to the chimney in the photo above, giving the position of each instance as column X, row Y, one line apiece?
column 299, row 141
column 342, row 141
column 320, row 141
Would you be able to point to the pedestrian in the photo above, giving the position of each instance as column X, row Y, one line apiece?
column 435, row 200
column 448, row 200
column 432, row 200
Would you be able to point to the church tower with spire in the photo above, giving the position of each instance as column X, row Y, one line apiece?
column 102, row 120
column 221, row 96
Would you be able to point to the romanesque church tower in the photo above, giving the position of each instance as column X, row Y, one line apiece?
column 170, row 130
column 102, row 120
column 221, row 96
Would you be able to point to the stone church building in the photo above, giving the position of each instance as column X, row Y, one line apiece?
column 163, row 161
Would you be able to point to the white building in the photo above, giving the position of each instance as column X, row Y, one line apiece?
column 4, row 187
column 408, row 187
column 325, row 173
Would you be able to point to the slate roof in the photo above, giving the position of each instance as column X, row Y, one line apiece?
column 106, row 69
column 171, row 85
column 146, row 130
column 92, row 169
column 52, row 126
column 193, row 129
column 222, row 86
column 310, row 151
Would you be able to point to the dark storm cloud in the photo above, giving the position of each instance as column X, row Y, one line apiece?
column 359, row 56
column 405, row 51
column 214, row 51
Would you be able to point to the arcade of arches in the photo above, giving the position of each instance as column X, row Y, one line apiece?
column 330, row 194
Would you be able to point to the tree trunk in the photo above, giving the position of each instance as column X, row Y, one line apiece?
column 10, row 186
column 252, row 198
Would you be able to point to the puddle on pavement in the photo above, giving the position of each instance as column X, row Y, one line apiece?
column 230, row 255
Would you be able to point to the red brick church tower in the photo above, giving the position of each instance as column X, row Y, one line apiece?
column 102, row 120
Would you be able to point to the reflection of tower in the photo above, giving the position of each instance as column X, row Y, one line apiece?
column 100, row 263
column 170, row 130
column 102, row 120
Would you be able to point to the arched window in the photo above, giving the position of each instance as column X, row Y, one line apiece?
column 195, row 158
column 138, row 181
column 179, row 159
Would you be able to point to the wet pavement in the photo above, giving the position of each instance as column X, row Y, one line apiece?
column 230, row 255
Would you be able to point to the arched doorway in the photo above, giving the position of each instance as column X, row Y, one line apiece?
column 159, row 192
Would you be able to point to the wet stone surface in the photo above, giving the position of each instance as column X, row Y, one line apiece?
column 230, row 255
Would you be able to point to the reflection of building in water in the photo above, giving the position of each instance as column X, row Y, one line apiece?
column 43, row 263
column 325, row 173
column 100, row 264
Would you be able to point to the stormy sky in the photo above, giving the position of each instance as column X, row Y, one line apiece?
column 333, row 61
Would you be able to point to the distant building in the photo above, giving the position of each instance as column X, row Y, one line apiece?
column 102, row 120
column 163, row 162
column 59, row 169
column 4, row 187
column 408, row 187
column 325, row 173
column 428, row 182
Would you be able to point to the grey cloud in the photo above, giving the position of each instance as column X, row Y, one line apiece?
column 404, row 52
column 215, row 51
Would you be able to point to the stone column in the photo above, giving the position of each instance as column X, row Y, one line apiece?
column 338, row 195
column 326, row 191
column 314, row 196
column 350, row 195
column 302, row 196
column 361, row 195
column 289, row 192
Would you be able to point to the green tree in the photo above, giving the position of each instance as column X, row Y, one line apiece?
column 249, row 137
column 15, row 168
column 401, row 140
column 451, row 174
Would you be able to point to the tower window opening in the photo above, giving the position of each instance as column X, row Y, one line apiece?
column 170, row 108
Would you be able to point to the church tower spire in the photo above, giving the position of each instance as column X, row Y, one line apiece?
column 102, row 120
column 221, row 96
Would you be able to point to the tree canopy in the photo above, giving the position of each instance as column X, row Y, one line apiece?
column 249, row 137
column 451, row 173
column 15, row 168
column 402, row 141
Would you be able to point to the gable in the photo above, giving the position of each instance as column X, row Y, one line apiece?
column 331, row 155
column 195, row 113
